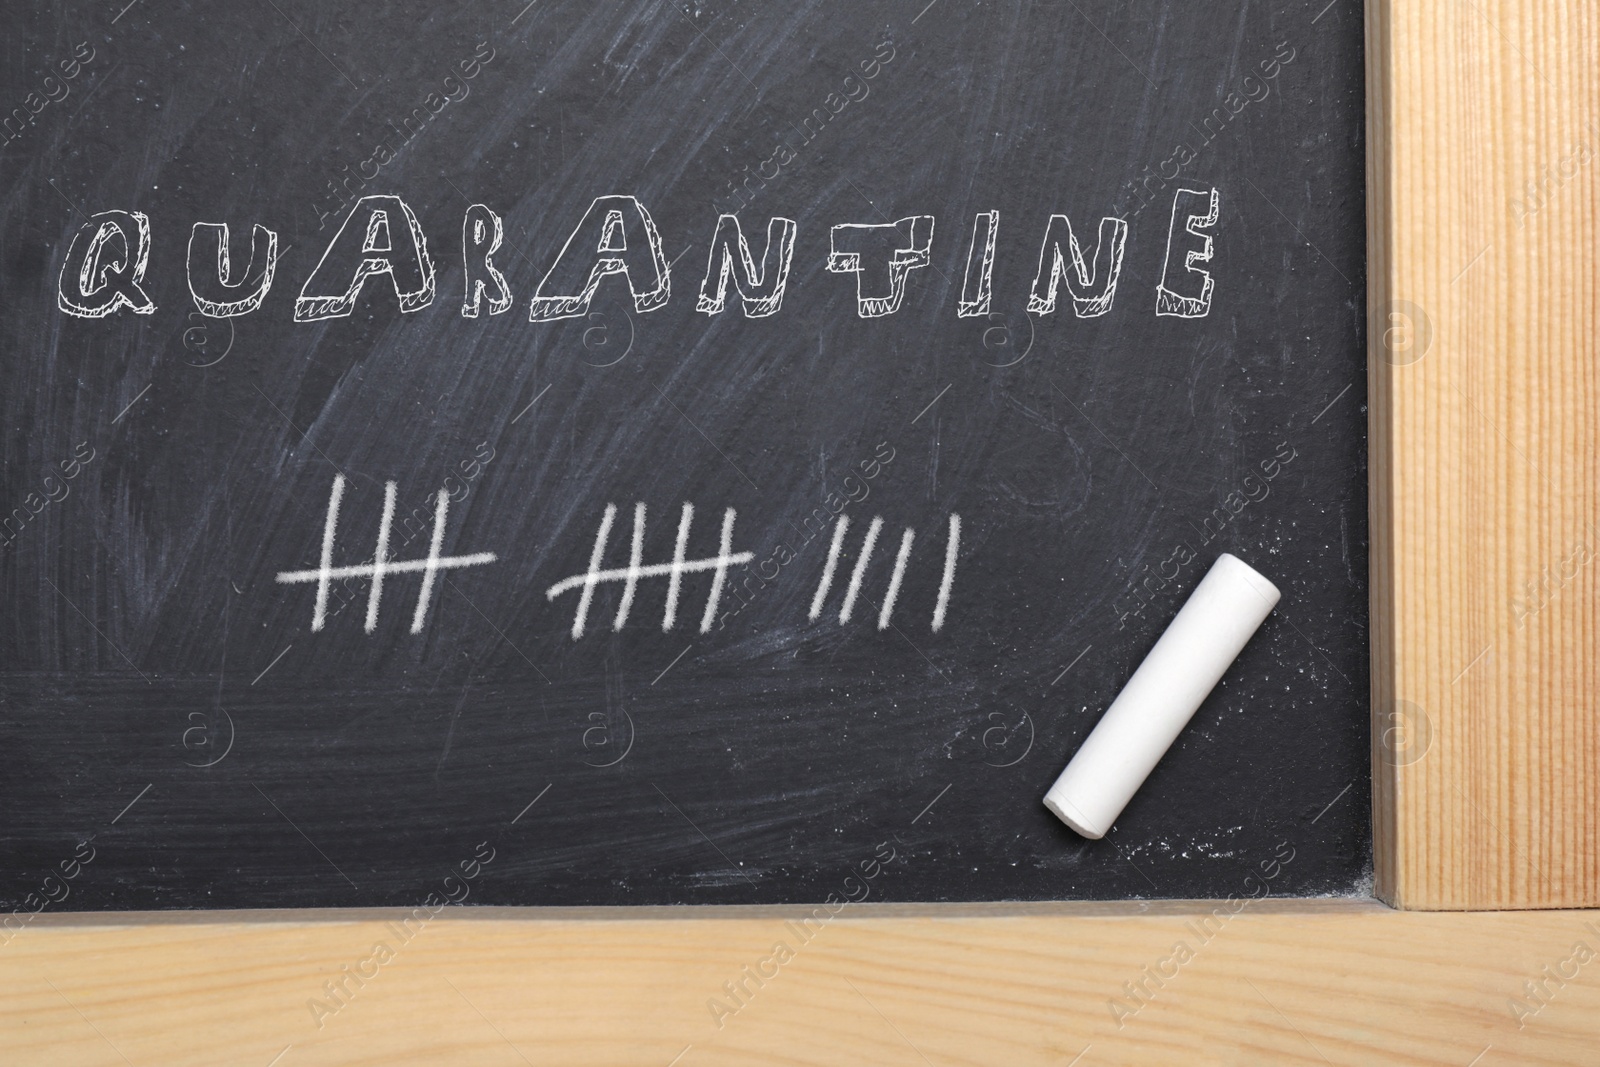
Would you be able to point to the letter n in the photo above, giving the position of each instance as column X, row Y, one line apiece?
column 760, row 288
column 1091, row 283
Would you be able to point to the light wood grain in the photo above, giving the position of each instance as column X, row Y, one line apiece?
column 1304, row 983
column 1484, row 451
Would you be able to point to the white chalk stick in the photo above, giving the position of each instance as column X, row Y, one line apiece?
column 1210, row 631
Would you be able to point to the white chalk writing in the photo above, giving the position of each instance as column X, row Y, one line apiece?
column 636, row 569
column 381, row 564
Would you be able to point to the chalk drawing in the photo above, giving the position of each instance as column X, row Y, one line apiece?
column 481, row 234
column 977, row 292
column 381, row 565
column 636, row 569
column 1197, row 304
column 760, row 288
column 231, row 296
column 615, row 236
column 1091, row 283
column 380, row 236
column 105, row 266
column 892, row 594
column 881, row 254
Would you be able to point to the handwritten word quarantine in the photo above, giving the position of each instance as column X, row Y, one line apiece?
column 381, row 243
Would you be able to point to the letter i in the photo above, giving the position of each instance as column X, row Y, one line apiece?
column 977, row 286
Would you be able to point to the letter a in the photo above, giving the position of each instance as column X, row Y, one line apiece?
column 615, row 236
column 381, row 235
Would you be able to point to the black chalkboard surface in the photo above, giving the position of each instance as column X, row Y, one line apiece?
column 634, row 454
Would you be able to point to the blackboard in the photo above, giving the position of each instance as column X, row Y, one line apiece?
column 1045, row 463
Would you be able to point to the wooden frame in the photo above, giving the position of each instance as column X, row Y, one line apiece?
column 1482, row 144
column 1484, row 433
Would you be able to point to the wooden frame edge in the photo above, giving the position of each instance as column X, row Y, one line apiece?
column 1271, row 981
column 1482, row 228
column 1380, row 539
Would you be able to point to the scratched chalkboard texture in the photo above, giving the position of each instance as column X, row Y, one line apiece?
column 1044, row 463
